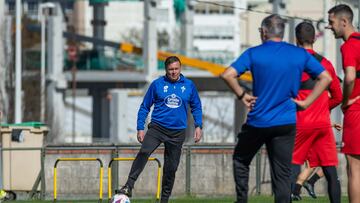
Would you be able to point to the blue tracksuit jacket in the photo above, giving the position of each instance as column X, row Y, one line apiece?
column 171, row 101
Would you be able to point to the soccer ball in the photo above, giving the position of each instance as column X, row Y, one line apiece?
column 120, row 198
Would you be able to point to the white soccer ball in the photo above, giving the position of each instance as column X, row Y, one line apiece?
column 120, row 198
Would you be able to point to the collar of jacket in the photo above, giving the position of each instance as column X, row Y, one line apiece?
column 181, row 79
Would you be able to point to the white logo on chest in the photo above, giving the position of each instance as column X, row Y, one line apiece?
column 173, row 101
column 166, row 88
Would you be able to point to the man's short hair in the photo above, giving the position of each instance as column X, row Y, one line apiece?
column 274, row 25
column 171, row 59
column 344, row 10
column 305, row 33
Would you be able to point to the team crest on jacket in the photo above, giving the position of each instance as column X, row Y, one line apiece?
column 183, row 89
column 166, row 88
column 173, row 101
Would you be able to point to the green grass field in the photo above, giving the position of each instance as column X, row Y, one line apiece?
column 254, row 199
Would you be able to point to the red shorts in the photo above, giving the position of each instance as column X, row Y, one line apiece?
column 351, row 133
column 316, row 145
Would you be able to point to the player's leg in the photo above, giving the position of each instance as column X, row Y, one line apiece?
column 152, row 140
column 351, row 148
column 334, row 189
column 301, row 178
column 325, row 156
column 250, row 140
column 172, row 156
column 309, row 185
column 353, row 171
column 316, row 176
column 280, row 146
column 303, row 142
column 305, row 174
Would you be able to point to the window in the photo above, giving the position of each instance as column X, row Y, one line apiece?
column 33, row 7
column 228, row 7
column 200, row 8
column 215, row 32
column 11, row 6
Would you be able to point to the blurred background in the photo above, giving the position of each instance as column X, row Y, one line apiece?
column 81, row 67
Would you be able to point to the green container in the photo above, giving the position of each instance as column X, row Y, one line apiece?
column 33, row 124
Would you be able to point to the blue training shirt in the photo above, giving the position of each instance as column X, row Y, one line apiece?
column 171, row 101
column 276, row 68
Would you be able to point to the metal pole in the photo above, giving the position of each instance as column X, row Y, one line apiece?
column 43, row 182
column 1, row 167
column 99, row 23
column 18, row 97
column 187, row 29
column 292, row 31
column 188, row 171
column 42, row 71
column 73, row 71
column 277, row 7
column 150, row 40
column 326, row 34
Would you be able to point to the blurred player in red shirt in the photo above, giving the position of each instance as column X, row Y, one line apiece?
column 340, row 23
column 314, row 139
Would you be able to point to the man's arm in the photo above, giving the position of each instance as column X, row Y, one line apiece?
column 144, row 111
column 349, row 81
column 334, row 87
column 196, row 111
column 230, row 77
column 321, row 84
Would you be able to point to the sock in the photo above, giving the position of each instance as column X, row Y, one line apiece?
column 313, row 179
column 297, row 189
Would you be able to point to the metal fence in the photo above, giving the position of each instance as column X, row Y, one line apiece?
column 188, row 150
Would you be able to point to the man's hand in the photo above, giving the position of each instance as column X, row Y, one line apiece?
column 301, row 104
column 197, row 134
column 140, row 135
column 249, row 101
column 230, row 77
column 347, row 103
column 324, row 79
column 337, row 126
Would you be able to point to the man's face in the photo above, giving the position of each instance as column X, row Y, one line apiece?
column 173, row 71
column 336, row 25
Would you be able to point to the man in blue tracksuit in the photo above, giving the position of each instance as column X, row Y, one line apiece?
column 276, row 68
column 171, row 96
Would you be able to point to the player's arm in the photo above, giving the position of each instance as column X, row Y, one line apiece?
column 321, row 84
column 349, row 60
column 195, row 105
column 230, row 76
column 144, row 111
column 316, row 70
column 334, row 87
column 349, row 81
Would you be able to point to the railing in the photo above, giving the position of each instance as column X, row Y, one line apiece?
column 188, row 150
column 132, row 159
column 80, row 159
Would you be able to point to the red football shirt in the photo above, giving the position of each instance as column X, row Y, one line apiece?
column 350, row 51
column 318, row 113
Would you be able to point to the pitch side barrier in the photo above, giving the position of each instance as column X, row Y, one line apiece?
column 80, row 159
column 132, row 159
